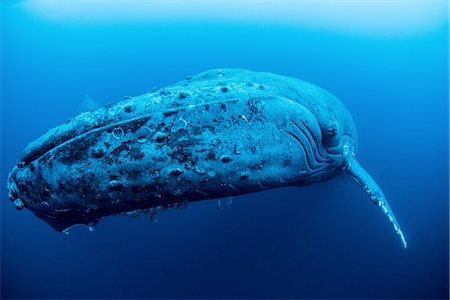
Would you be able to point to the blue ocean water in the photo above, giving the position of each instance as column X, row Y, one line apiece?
column 323, row 241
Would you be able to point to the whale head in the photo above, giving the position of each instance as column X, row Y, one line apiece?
column 337, row 128
column 339, row 139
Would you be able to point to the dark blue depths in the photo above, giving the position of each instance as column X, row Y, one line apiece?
column 325, row 240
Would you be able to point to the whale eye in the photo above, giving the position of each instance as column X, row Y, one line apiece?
column 330, row 134
column 332, row 131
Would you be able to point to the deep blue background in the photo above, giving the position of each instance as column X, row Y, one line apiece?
column 326, row 240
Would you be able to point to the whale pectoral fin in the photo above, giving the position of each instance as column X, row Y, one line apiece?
column 369, row 185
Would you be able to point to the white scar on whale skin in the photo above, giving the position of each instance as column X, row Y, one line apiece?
column 214, row 135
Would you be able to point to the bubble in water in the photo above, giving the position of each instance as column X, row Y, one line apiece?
column 225, row 202
column 89, row 226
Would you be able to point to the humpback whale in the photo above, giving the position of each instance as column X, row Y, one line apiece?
column 220, row 133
